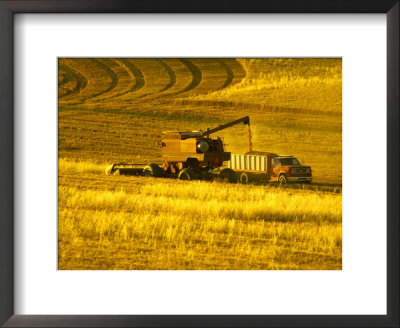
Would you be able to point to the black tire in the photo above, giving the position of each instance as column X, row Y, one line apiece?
column 282, row 179
column 228, row 175
column 153, row 170
column 244, row 178
column 187, row 174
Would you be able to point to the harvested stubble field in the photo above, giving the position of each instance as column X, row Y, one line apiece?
column 114, row 110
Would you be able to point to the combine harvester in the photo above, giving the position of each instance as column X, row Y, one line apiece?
column 195, row 155
column 188, row 156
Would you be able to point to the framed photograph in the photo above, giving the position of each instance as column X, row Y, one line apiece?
column 199, row 164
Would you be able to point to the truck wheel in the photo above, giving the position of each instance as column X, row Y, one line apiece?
column 282, row 179
column 244, row 178
column 187, row 174
column 153, row 170
column 228, row 175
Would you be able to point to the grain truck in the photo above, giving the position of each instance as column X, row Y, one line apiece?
column 256, row 166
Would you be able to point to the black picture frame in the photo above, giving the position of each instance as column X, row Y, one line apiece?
column 7, row 11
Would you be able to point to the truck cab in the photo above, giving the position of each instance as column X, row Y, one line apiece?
column 289, row 169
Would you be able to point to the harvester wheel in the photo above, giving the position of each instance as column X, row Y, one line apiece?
column 187, row 174
column 153, row 170
column 282, row 179
column 228, row 175
column 244, row 178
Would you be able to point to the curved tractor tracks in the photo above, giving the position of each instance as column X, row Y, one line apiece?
column 229, row 74
column 196, row 76
column 71, row 76
column 138, row 75
column 171, row 74
column 102, row 81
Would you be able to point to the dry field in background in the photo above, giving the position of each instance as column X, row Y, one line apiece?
column 114, row 110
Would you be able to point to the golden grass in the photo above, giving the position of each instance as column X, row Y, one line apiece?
column 71, row 167
column 198, row 225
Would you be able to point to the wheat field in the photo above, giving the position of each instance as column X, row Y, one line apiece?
column 114, row 110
